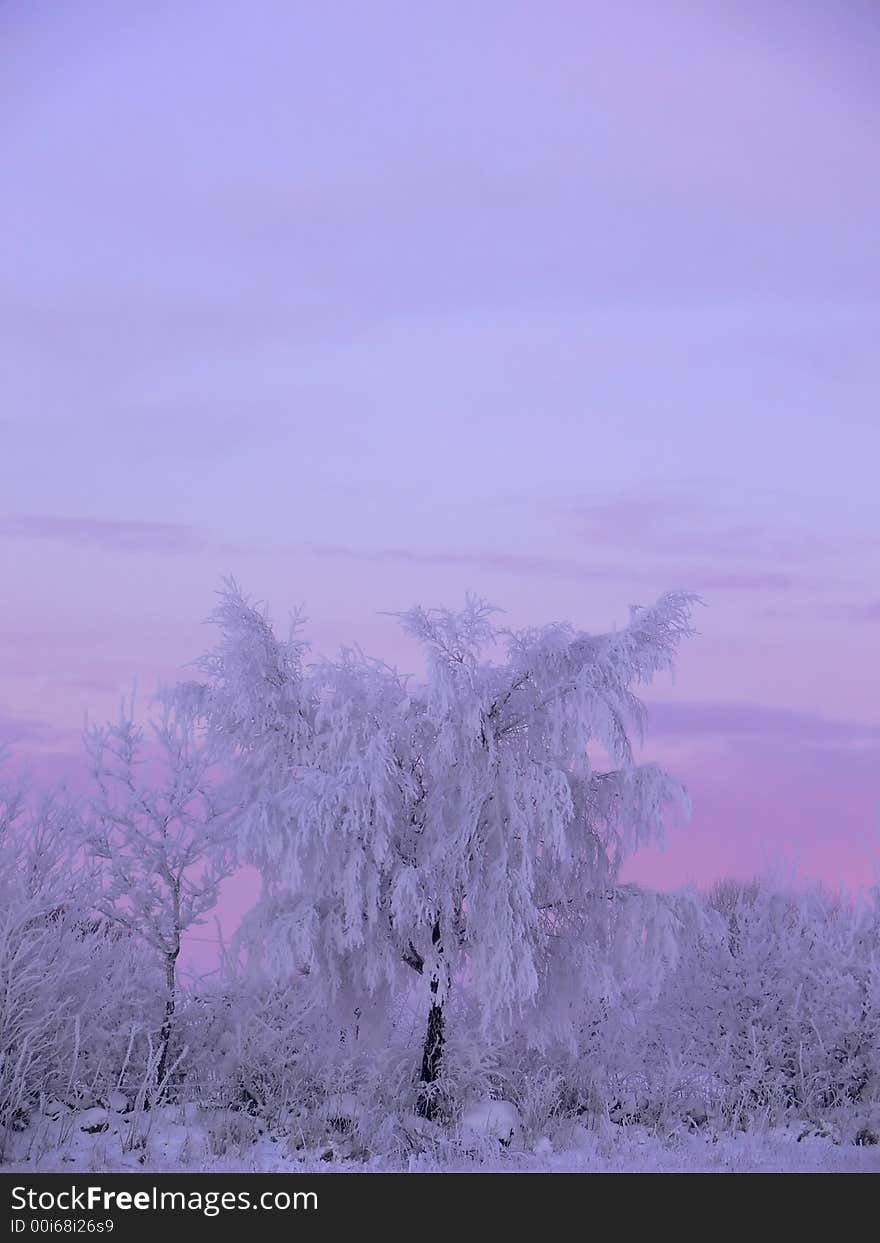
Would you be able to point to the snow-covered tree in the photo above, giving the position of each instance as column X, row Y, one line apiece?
column 466, row 829
column 42, row 885
column 162, row 839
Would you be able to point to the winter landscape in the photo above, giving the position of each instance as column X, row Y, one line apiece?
column 443, row 968
column 440, row 538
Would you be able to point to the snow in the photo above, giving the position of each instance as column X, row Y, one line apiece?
column 174, row 1139
column 93, row 1120
column 491, row 1119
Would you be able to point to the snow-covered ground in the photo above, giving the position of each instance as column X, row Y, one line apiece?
column 186, row 1138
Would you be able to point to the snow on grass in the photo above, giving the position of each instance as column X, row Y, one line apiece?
column 186, row 1138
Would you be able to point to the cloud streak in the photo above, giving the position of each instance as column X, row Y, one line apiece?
column 700, row 516
column 15, row 730
column 110, row 534
column 695, row 578
column 756, row 721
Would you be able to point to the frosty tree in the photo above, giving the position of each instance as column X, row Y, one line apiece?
column 162, row 842
column 45, row 887
column 460, row 829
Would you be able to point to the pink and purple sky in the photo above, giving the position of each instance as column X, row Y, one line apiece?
column 371, row 304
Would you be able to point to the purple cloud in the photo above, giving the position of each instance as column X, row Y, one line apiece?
column 704, row 516
column 16, row 730
column 755, row 721
column 744, row 580
column 562, row 567
column 512, row 563
column 117, row 536
column 868, row 612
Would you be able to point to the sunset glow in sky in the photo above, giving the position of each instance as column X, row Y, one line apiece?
column 372, row 304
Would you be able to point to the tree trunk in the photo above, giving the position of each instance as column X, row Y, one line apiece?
column 428, row 1105
column 168, row 1021
column 432, row 1058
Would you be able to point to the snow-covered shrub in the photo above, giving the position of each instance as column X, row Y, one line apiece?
column 75, row 1014
column 248, row 1041
column 119, row 1017
column 779, row 1016
column 41, row 973
column 270, row 1053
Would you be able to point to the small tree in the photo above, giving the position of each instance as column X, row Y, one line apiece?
column 163, row 844
column 461, row 829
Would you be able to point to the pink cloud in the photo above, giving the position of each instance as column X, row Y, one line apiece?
column 753, row 814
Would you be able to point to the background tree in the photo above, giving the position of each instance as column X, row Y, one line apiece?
column 45, row 892
column 460, row 829
column 162, row 840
